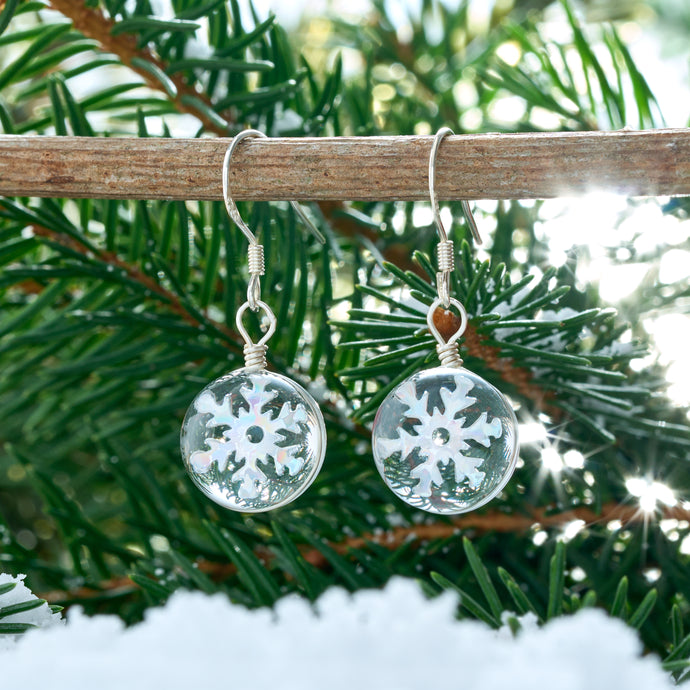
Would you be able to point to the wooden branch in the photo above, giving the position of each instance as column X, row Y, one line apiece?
column 483, row 166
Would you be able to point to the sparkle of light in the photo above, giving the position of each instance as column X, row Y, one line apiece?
column 551, row 460
column 539, row 538
column 574, row 459
column 532, row 432
column 572, row 529
column 650, row 493
column 652, row 574
column 509, row 52
column 578, row 574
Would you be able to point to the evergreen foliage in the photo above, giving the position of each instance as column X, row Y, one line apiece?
column 114, row 314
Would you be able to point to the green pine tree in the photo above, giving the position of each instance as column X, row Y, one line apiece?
column 114, row 314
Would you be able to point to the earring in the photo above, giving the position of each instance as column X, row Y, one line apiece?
column 253, row 440
column 445, row 440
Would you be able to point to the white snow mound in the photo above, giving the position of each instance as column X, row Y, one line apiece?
column 40, row 616
column 390, row 639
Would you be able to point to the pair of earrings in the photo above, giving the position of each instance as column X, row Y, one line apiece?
column 444, row 440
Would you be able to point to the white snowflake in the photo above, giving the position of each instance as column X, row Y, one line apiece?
column 441, row 437
column 252, row 436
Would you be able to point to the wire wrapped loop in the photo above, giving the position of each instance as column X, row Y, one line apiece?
column 254, row 292
column 449, row 355
column 254, row 353
column 255, row 356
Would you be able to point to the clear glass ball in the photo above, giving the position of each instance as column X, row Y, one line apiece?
column 253, row 440
column 445, row 440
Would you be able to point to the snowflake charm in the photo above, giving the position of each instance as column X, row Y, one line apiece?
column 445, row 440
column 253, row 441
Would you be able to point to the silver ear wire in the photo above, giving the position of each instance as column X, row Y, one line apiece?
column 467, row 211
column 254, row 353
column 230, row 204
column 444, row 250
column 448, row 351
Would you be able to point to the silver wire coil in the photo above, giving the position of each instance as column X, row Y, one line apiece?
column 449, row 355
column 255, row 356
column 445, row 256
column 255, row 259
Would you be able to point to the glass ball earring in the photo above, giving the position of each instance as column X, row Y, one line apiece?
column 253, row 440
column 445, row 440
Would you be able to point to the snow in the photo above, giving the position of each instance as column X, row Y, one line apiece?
column 390, row 638
column 40, row 616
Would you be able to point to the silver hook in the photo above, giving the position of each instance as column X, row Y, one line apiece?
column 231, row 206
column 467, row 211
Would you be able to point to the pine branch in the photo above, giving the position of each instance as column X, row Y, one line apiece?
column 136, row 274
column 520, row 377
column 397, row 253
column 76, row 244
column 526, row 335
column 92, row 23
column 497, row 521
column 489, row 522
